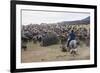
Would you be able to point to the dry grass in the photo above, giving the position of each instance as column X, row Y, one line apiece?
column 36, row 53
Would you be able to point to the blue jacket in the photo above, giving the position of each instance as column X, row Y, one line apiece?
column 72, row 36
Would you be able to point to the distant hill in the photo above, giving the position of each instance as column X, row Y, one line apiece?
column 83, row 21
column 86, row 20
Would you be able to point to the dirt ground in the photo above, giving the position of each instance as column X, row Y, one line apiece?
column 36, row 53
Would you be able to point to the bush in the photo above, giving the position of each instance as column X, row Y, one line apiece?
column 49, row 39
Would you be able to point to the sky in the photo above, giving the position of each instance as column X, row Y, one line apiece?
column 38, row 17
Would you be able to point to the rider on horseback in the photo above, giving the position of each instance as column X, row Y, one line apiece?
column 71, row 36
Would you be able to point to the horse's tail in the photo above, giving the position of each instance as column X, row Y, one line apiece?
column 73, row 44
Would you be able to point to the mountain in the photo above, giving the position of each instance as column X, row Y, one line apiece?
column 83, row 21
column 86, row 20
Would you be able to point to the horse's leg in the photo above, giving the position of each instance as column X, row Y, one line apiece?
column 72, row 53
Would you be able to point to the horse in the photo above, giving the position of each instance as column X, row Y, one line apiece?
column 73, row 47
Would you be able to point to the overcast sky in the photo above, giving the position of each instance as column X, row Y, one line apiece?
column 37, row 17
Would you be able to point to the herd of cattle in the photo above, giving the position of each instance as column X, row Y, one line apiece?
column 49, row 34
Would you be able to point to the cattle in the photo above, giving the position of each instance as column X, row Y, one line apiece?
column 52, row 34
column 24, row 42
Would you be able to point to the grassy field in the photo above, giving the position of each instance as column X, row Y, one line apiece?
column 36, row 53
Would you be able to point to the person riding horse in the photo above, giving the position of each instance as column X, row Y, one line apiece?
column 71, row 37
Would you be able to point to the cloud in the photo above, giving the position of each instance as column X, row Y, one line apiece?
column 37, row 17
